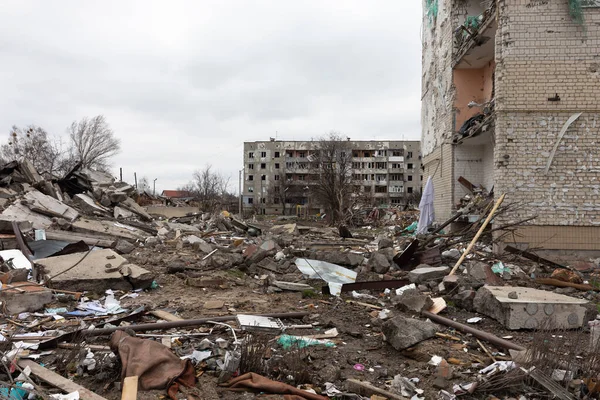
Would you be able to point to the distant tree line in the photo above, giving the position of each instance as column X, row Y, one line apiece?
column 90, row 142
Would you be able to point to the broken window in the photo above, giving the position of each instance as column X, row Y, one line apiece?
column 276, row 200
column 263, row 154
column 367, row 189
column 396, row 200
column 250, row 189
column 250, row 166
column 263, row 165
column 381, row 165
column 276, row 177
column 410, row 178
column 409, row 166
column 301, row 177
column 251, row 154
column 276, row 165
column 276, row 154
column 380, row 189
column 409, row 190
column 395, row 177
column 250, row 200
column 355, row 154
column 250, row 177
column 288, row 177
column 421, row 177
column 263, row 178
column 396, row 189
column 381, row 153
column 397, row 153
column 263, row 200
column 396, row 165
column 301, row 154
column 409, row 155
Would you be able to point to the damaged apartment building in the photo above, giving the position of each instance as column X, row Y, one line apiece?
column 278, row 174
column 510, row 98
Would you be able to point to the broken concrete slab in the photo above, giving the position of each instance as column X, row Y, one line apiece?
column 424, row 273
column 87, row 205
column 268, row 245
column 119, row 212
column 21, row 297
column 135, row 208
column 72, row 237
column 137, row 276
column 530, row 309
column 174, row 226
column 49, row 206
column 403, row 333
column 109, row 229
column 124, row 247
column 412, row 300
column 202, row 245
column 19, row 212
column 90, row 274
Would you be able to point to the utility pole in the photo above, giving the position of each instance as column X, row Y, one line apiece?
column 135, row 178
column 121, row 174
column 154, row 189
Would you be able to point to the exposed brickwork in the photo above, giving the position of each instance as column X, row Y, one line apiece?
column 539, row 52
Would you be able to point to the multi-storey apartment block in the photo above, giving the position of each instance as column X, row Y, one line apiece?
column 278, row 174
column 503, row 86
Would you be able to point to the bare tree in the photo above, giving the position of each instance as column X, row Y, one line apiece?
column 210, row 186
column 332, row 163
column 35, row 145
column 143, row 185
column 93, row 142
column 284, row 192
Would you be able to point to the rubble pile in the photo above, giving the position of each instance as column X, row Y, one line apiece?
column 101, row 300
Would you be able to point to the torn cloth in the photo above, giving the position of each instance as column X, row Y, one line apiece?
column 252, row 381
column 155, row 365
column 427, row 214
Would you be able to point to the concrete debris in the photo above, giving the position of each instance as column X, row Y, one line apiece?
column 531, row 307
column 402, row 333
column 96, row 271
column 425, row 273
column 379, row 263
column 84, row 249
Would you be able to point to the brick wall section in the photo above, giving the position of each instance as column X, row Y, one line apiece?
column 437, row 121
column 540, row 51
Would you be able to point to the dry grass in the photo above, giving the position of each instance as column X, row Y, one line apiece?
column 291, row 366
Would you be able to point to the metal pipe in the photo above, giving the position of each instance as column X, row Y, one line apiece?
column 180, row 324
column 493, row 339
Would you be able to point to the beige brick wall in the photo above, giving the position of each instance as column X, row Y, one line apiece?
column 541, row 52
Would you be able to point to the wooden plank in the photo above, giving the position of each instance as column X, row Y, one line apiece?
column 167, row 316
column 58, row 381
column 130, row 388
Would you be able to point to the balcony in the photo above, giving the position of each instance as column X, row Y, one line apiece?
column 474, row 40
column 396, row 194
column 381, row 183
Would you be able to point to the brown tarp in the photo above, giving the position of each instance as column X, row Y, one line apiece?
column 255, row 382
column 155, row 365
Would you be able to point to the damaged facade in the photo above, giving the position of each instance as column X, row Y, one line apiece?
column 500, row 80
column 388, row 172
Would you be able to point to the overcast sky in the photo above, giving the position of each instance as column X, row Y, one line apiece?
column 185, row 83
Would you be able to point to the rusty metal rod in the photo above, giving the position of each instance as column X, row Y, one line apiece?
column 180, row 324
column 488, row 337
